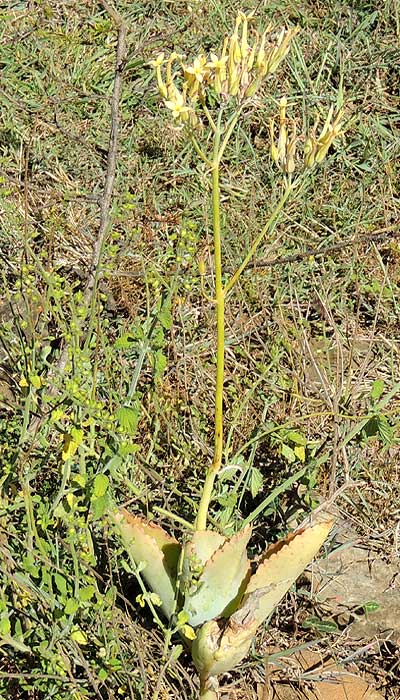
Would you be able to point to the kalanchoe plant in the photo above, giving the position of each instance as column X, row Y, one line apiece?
column 205, row 587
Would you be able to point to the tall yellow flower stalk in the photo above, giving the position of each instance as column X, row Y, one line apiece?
column 205, row 587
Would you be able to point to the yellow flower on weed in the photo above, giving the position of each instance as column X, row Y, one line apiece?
column 157, row 63
column 23, row 382
column 317, row 147
column 330, row 131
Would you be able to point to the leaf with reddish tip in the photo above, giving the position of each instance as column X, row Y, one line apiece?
column 217, row 649
column 282, row 565
column 215, row 586
column 150, row 544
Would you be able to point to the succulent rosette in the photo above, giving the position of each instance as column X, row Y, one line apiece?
column 210, row 579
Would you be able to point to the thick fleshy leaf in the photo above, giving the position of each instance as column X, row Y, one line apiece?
column 218, row 649
column 150, row 544
column 215, row 651
column 213, row 588
column 198, row 550
column 279, row 569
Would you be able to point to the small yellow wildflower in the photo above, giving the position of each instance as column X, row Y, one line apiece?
column 317, row 147
column 218, row 65
column 156, row 64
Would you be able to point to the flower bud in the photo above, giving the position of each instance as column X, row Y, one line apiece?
column 274, row 150
column 261, row 52
column 252, row 55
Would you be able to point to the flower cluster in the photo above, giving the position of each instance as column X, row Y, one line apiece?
column 283, row 151
column 316, row 147
column 237, row 71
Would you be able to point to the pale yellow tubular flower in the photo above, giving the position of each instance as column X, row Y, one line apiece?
column 218, row 65
column 274, row 150
column 192, row 85
column 243, row 42
column 261, row 51
column 198, row 68
column 310, row 149
column 171, row 89
column 223, row 74
column 329, row 132
column 178, row 107
column 234, row 47
column 252, row 55
column 290, row 165
column 327, row 124
column 281, row 49
column 322, row 151
column 233, row 81
column 291, row 152
column 244, row 79
column 157, row 63
column 170, row 61
column 232, row 66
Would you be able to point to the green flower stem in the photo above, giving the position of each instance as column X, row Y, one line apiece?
column 200, row 151
column 263, row 232
column 220, row 294
column 201, row 520
column 209, row 117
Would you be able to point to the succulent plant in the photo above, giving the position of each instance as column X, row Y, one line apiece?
column 210, row 580
column 207, row 588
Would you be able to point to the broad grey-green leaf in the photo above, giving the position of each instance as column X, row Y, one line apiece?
column 215, row 653
column 216, row 590
column 198, row 550
column 282, row 565
column 150, row 544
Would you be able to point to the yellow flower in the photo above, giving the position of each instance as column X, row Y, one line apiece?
column 217, row 63
column 198, row 70
column 156, row 64
column 316, row 147
column 177, row 106
column 158, row 61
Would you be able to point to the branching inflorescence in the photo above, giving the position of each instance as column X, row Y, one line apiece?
column 205, row 588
